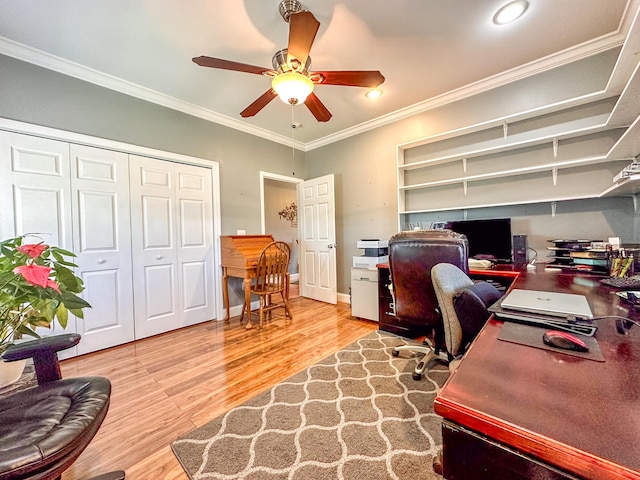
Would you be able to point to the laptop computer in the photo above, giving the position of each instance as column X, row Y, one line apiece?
column 554, row 304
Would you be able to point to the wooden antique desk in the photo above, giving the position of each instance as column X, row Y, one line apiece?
column 516, row 412
column 239, row 257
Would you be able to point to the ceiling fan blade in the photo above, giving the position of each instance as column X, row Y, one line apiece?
column 229, row 65
column 259, row 104
column 317, row 108
column 303, row 27
column 349, row 78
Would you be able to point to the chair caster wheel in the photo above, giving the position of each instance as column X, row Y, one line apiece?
column 437, row 464
column 395, row 352
column 416, row 376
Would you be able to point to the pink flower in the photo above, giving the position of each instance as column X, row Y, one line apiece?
column 34, row 250
column 35, row 274
column 54, row 285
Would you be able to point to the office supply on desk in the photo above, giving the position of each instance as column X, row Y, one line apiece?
column 541, row 320
column 564, row 341
column 548, row 303
column 622, row 282
column 533, row 336
column 631, row 296
column 474, row 263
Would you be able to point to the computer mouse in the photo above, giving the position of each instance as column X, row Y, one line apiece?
column 564, row 340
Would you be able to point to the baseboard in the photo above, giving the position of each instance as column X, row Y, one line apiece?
column 344, row 298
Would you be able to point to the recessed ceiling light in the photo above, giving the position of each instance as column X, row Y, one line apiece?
column 373, row 93
column 510, row 12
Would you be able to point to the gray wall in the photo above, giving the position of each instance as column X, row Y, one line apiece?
column 365, row 168
column 364, row 165
column 39, row 96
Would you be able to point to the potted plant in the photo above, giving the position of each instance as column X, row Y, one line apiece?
column 37, row 287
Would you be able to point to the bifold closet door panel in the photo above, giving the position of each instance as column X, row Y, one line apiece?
column 35, row 197
column 35, row 189
column 155, row 269
column 102, row 239
column 195, row 243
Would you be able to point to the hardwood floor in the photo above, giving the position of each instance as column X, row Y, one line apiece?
column 167, row 385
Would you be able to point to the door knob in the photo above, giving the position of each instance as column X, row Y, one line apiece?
column 158, row 257
column 101, row 261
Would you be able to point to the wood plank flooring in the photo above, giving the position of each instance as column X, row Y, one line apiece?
column 167, row 385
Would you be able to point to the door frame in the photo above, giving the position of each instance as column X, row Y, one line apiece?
column 70, row 137
column 280, row 178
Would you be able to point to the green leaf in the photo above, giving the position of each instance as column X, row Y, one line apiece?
column 62, row 251
column 72, row 301
column 77, row 312
column 24, row 330
column 62, row 315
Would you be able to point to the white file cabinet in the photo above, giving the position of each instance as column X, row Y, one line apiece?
column 364, row 293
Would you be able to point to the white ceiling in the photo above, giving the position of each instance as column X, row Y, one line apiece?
column 428, row 50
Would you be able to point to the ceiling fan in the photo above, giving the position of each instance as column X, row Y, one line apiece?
column 292, row 78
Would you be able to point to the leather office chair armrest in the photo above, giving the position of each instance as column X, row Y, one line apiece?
column 470, row 304
column 44, row 354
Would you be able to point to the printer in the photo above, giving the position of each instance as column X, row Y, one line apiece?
column 375, row 251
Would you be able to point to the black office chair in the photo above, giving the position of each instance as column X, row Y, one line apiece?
column 412, row 255
column 44, row 428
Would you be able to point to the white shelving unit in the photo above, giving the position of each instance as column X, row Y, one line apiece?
column 567, row 150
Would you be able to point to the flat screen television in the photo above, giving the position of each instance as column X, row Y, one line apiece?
column 488, row 239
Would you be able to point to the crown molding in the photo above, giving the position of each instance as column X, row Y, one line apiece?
column 547, row 63
column 51, row 62
column 37, row 57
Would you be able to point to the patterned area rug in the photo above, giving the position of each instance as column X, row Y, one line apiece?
column 357, row 414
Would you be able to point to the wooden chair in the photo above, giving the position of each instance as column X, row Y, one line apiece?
column 272, row 280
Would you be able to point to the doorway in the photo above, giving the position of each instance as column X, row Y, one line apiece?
column 277, row 194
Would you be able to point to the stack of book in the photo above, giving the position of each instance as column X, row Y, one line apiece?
column 592, row 259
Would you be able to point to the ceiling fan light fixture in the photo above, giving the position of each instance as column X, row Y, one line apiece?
column 373, row 93
column 510, row 12
column 292, row 87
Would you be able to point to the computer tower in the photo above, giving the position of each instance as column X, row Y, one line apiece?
column 520, row 251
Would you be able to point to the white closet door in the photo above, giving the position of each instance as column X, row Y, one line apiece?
column 155, row 270
column 35, row 194
column 195, row 247
column 35, row 197
column 172, row 242
column 102, row 239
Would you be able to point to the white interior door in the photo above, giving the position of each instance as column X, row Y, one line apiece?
column 102, row 239
column 35, row 188
column 195, row 247
column 155, row 271
column 35, row 197
column 316, row 225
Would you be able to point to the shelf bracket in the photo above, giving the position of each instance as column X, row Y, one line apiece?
column 505, row 128
column 555, row 148
column 554, row 205
column 464, row 165
column 554, row 173
column 464, row 187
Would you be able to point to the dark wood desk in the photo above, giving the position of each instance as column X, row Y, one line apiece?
column 516, row 412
